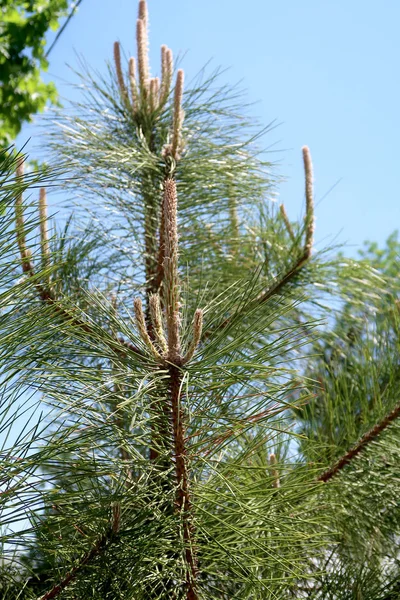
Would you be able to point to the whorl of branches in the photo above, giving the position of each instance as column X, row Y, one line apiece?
column 149, row 95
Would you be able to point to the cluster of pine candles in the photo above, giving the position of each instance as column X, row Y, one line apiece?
column 180, row 442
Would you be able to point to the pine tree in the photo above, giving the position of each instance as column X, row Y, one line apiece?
column 219, row 401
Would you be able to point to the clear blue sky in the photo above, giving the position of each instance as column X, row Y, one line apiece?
column 326, row 71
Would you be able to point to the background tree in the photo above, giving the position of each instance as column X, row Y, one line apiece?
column 173, row 331
column 23, row 56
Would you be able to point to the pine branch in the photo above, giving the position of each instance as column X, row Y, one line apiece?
column 45, row 292
column 100, row 545
column 92, row 331
column 362, row 443
column 304, row 257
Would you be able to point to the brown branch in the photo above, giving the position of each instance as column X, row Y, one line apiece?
column 362, row 443
column 281, row 283
column 98, row 547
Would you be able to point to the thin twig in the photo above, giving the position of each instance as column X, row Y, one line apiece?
column 62, row 29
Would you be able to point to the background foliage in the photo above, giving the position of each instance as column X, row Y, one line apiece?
column 23, row 93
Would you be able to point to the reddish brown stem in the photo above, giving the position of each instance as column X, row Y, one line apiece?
column 364, row 441
column 98, row 547
column 183, row 501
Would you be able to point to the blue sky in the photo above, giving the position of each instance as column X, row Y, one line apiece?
column 326, row 71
